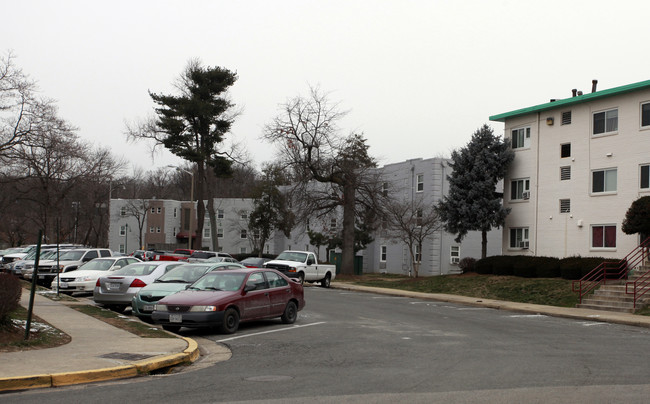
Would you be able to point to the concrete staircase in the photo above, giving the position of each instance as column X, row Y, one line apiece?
column 612, row 296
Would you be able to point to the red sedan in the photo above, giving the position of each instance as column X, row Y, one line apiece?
column 224, row 298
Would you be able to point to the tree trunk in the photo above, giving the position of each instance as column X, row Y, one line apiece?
column 347, row 256
column 212, row 215
column 483, row 244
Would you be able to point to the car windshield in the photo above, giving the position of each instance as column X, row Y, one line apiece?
column 71, row 256
column 184, row 274
column 292, row 256
column 97, row 265
column 216, row 259
column 139, row 269
column 220, row 281
column 202, row 254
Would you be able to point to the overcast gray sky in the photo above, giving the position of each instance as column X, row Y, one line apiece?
column 418, row 77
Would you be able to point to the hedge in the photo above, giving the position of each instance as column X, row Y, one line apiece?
column 539, row 267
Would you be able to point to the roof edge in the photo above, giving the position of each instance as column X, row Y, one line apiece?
column 573, row 100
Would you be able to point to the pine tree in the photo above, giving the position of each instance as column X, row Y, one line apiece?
column 473, row 204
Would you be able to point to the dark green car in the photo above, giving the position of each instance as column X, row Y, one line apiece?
column 173, row 281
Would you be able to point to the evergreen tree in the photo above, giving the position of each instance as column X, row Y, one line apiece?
column 473, row 203
column 637, row 218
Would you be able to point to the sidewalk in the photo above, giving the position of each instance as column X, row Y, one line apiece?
column 98, row 351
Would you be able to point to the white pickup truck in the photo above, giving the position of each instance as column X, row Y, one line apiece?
column 304, row 266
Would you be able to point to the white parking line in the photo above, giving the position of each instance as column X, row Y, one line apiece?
column 271, row 331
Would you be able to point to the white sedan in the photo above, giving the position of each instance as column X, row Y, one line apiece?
column 116, row 290
column 85, row 278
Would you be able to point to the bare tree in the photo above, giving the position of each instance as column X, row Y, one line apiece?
column 307, row 135
column 412, row 222
column 138, row 209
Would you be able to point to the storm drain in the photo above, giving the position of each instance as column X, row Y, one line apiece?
column 125, row 356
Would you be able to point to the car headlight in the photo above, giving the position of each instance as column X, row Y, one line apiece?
column 160, row 307
column 203, row 308
column 85, row 279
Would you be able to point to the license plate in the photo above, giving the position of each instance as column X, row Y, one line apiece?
column 41, row 276
column 175, row 318
column 63, row 284
column 147, row 307
column 113, row 285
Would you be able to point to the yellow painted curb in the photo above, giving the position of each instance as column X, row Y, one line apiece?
column 89, row 376
column 26, row 382
column 192, row 349
column 146, row 366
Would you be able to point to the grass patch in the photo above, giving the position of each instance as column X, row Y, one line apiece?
column 133, row 326
column 546, row 291
column 42, row 335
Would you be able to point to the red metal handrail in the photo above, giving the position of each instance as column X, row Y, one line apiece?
column 614, row 271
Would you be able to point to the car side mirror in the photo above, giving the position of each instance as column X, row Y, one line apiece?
column 310, row 261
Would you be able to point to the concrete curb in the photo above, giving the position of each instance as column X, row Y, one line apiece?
column 189, row 355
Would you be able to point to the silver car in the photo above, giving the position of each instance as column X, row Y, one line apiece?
column 116, row 290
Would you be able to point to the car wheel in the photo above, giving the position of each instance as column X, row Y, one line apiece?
column 230, row 321
column 325, row 282
column 290, row 313
column 118, row 308
column 171, row 328
column 301, row 277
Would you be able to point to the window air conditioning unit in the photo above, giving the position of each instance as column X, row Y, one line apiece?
column 523, row 244
column 526, row 194
column 455, row 260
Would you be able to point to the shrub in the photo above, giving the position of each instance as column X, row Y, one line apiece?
column 10, row 290
column 547, row 267
column 484, row 265
column 467, row 264
column 524, row 267
column 504, row 265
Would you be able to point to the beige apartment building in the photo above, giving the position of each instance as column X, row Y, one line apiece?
column 579, row 164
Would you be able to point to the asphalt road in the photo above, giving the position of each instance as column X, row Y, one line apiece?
column 362, row 348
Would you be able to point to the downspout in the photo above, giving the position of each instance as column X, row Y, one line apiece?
column 537, row 186
column 442, row 193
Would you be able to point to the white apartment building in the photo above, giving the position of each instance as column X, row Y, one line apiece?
column 579, row 164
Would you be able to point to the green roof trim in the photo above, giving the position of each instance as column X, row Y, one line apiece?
column 573, row 100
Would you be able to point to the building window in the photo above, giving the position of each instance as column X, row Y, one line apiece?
column 454, row 254
column 603, row 236
column 418, row 217
column 157, row 229
column 420, row 182
column 332, row 223
column 256, row 235
column 123, row 230
column 159, row 210
column 220, row 214
column 243, row 233
column 606, row 122
column 152, row 229
column 565, row 150
column 519, row 189
column 384, row 188
column 175, row 212
column 244, row 215
column 242, row 250
column 645, row 177
column 521, row 138
column 206, row 232
column 603, row 180
column 565, row 205
column 174, row 232
column 566, row 118
column 153, row 210
column 418, row 254
column 219, row 232
column 565, row 173
column 122, row 249
column 123, row 211
column 645, row 115
column 519, row 237
column 383, row 254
